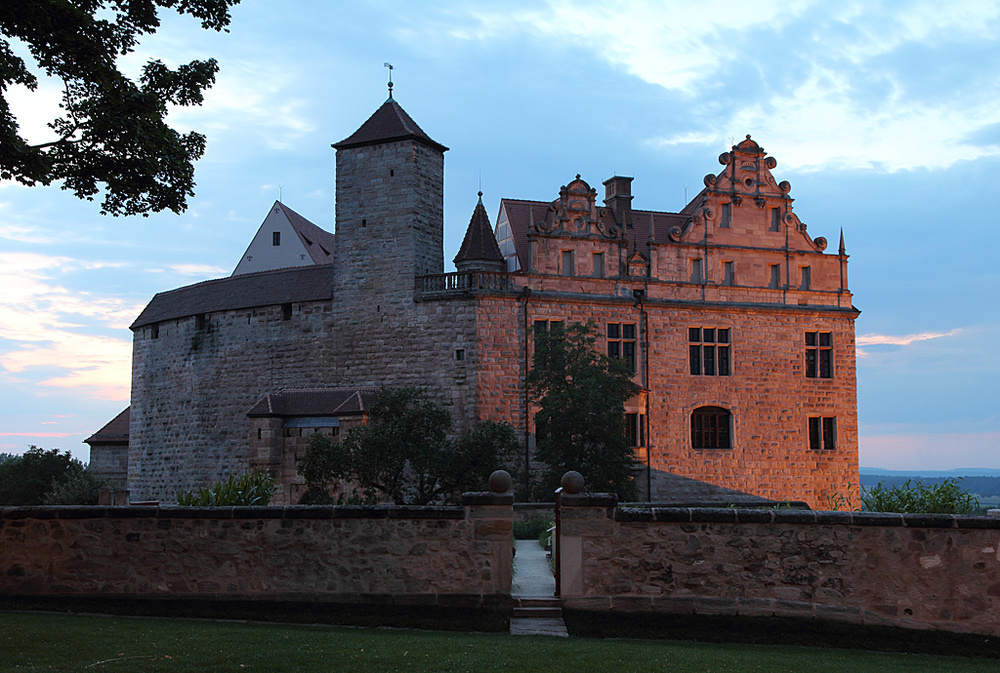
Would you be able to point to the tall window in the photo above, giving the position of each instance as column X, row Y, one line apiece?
column 567, row 263
column 635, row 429
column 726, row 219
column 621, row 342
column 822, row 433
column 276, row 238
column 819, row 355
column 775, row 219
column 711, row 428
column 806, row 278
column 598, row 263
column 728, row 274
column 697, row 271
column 775, row 282
column 708, row 349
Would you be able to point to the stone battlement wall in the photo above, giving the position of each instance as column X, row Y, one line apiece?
column 252, row 553
column 936, row 572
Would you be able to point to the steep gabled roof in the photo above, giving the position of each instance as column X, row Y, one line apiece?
column 389, row 123
column 116, row 431
column 263, row 288
column 318, row 242
column 314, row 402
column 480, row 243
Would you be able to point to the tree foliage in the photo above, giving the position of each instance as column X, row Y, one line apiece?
column 112, row 130
column 51, row 477
column 404, row 453
column 580, row 424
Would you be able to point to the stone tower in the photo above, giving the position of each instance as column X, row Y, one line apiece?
column 390, row 207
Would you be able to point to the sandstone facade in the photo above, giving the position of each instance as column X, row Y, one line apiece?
column 739, row 324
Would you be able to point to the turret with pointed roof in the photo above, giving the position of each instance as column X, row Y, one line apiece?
column 479, row 251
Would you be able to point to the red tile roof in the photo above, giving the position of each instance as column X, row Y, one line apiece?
column 389, row 123
column 116, row 431
column 314, row 402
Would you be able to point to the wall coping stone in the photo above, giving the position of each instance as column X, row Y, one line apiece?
column 289, row 512
column 488, row 498
column 588, row 500
column 836, row 518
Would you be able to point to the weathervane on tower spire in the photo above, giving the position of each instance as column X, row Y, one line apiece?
column 389, row 66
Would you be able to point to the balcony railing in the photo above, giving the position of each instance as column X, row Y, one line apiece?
column 458, row 283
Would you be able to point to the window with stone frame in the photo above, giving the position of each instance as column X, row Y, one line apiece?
column 545, row 325
column 709, row 351
column 775, row 219
column 621, row 342
column 819, row 355
column 635, row 429
column 726, row 217
column 697, row 270
column 806, row 278
column 598, row 264
column 728, row 273
column 567, row 263
column 711, row 428
column 822, row 433
column 775, row 282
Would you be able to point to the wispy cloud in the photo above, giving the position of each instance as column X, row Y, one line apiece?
column 890, row 340
column 201, row 270
column 42, row 319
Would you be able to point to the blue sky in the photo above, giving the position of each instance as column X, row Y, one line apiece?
column 884, row 116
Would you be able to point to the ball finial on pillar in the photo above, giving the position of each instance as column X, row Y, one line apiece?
column 572, row 482
column 500, row 482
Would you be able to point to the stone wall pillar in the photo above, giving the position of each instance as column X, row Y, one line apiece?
column 491, row 517
column 580, row 515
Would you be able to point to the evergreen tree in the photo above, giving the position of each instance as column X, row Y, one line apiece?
column 580, row 424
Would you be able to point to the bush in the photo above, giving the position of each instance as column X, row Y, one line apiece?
column 252, row 489
column 531, row 527
column 947, row 497
column 81, row 488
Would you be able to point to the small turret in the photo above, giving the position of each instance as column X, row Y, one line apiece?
column 479, row 251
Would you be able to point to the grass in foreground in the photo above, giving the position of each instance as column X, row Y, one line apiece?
column 47, row 642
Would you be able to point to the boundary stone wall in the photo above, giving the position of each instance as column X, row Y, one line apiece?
column 922, row 572
column 401, row 555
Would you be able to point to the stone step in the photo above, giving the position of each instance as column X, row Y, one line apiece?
column 538, row 602
column 538, row 613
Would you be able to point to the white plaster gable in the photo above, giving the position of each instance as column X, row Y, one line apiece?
column 263, row 255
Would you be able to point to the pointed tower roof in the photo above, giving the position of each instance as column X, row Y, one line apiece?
column 479, row 244
column 389, row 123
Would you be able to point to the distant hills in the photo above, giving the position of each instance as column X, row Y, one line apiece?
column 959, row 472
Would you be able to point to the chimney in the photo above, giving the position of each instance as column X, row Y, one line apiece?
column 618, row 197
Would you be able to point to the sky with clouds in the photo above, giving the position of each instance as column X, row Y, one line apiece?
column 884, row 116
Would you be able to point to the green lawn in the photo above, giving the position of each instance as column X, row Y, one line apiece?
column 47, row 642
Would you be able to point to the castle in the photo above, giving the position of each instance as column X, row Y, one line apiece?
column 738, row 324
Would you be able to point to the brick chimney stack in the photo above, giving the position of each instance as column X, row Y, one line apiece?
column 618, row 197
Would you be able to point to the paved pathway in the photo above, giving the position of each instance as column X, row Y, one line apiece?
column 538, row 612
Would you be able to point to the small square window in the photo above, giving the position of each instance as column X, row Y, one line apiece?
column 459, row 354
column 822, row 433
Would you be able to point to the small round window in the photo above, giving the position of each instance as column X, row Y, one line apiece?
column 748, row 182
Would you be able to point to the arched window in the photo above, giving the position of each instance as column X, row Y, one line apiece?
column 711, row 428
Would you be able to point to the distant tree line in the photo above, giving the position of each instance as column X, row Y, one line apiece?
column 52, row 477
column 984, row 487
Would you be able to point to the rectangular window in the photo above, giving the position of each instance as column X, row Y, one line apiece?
column 822, row 433
column 727, row 274
column 154, row 331
column 697, row 271
column 199, row 321
column 459, row 354
column 286, row 311
column 567, row 263
column 775, row 282
column 806, row 278
column 819, row 355
column 726, row 219
column 546, row 325
column 621, row 342
column 598, row 262
column 708, row 351
column 775, row 219
column 635, row 429
column 276, row 238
